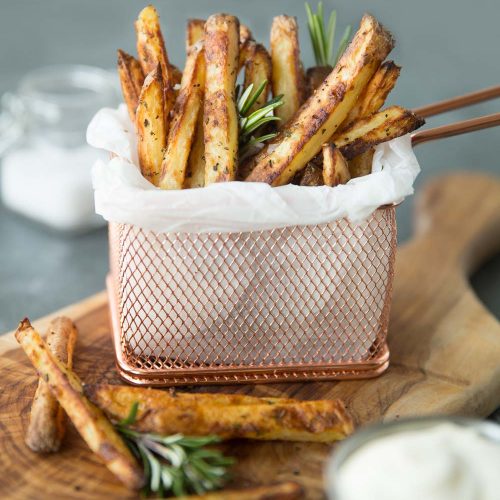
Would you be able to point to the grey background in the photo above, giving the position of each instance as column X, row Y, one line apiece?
column 446, row 48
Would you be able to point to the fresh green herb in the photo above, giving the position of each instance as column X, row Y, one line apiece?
column 323, row 41
column 251, row 122
column 176, row 464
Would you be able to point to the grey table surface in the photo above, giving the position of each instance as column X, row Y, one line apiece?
column 446, row 48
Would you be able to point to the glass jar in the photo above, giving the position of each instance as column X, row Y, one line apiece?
column 46, row 162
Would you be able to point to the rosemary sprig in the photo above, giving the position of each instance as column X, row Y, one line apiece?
column 323, row 41
column 250, row 123
column 176, row 464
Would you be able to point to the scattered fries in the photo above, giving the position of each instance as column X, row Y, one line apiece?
column 47, row 419
column 89, row 420
column 287, row 72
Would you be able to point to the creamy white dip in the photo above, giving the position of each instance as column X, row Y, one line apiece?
column 445, row 462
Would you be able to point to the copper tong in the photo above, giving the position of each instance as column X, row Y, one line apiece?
column 458, row 128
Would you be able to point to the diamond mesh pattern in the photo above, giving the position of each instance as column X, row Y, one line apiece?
column 266, row 305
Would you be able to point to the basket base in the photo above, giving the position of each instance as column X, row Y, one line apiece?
column 162, row 377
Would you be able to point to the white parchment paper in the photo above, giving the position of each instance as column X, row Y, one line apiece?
column 123, row 195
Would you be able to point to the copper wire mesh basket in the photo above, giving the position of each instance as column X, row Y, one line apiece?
column 296, row 303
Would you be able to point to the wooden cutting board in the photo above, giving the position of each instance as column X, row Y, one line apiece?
column 445, row 358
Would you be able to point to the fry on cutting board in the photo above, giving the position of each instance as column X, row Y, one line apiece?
column 47, row 424
column 89, row 420
column 162, row 413
column 131, row 80
column 287, row 73
column 335, row 167
column 183, row 127
column 220, row 114
column 326, row 109
column 150, row 124
column 280, row 491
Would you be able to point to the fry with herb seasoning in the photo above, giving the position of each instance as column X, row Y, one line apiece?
column 195, row 31
column 150, row 125
column 131, row 80
column 326, row 109
column 257, row 70
column 335, row 167
column 89, row 420
column 47, row 424
column 220, row 113
column 162, row 413
column 287, row 72
column 195, row 171
column 186, row 112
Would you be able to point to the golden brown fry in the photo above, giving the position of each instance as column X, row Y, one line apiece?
column 195, row 171
column 195, row 31
column 183, row 127
column 335, row 168
column 326, row 109
column 362, row 164
column 176, row 74
column 245, row 34
column 287, row 72
column 375, row 93
column 280, row 491
column 257, row 70
column 131, row 80
column 220, row 114
column 47, row 424
column 160, row 412
column 313, row 175
column 315, row 76
column 151, row 50
column 89, row 421
column 150, row 124
column 379, row 127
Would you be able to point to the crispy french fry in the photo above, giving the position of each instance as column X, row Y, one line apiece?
column 326, row 109
column 280, row 491
column 362, row 164
column 150, row 124
column 245, row 34
column 379, row 127
column 315, row 76
column 375, row 93
column 195, row 31
column 176, row 75
column 47, row 424
column 186, row 112
column 320, row 421
column 220, row 114
column 152, row 51
column 195, row 171
column 287, row 72
column 131, row 80
column 313, row 175
column 89, row 421
column 257, row 70
column 335, row 168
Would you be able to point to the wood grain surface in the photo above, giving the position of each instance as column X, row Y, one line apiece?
column 445, row 359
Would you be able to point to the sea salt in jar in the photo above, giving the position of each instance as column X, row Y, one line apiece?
column 435, row 459
column 46, row 162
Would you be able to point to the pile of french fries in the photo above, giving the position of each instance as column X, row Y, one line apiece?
column 188, row 125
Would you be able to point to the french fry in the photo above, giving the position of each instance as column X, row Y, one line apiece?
column 150, row 124
column 195, row 31
column 162, row 413
column 383, row 126
column 176, row 75
column 326, row 109
column 245, row 34
column 287, row 72
column 257, row 70
column 89, row 421
column 195, row 171
column 152, row 51
column 313, row 175
column 280, row 491
column 47, row 424
column 131, row 80
column 220, row 114
column 335, row 168
column 362, row 164
column 375, row 93
column 183, row 126
column 315, row 76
